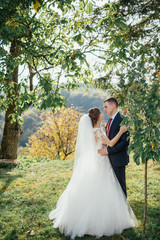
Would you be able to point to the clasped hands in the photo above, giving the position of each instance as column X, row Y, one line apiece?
column 103, row 151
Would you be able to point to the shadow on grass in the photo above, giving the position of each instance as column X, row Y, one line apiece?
column 7, row 179
column 11, row 235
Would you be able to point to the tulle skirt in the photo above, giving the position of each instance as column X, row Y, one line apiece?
column 93, row 203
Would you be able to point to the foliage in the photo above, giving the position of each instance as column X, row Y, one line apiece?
column 142, row 102
column 42, row 40
column 33, row 189
column 46, row 37
column 57, row 137
column 133, row 55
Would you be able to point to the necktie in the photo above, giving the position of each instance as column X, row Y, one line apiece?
column 110, row 120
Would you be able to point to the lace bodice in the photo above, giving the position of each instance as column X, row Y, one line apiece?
column 98, row 135
column 98, row 132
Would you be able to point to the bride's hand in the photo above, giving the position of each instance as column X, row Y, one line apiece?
column 124, row 128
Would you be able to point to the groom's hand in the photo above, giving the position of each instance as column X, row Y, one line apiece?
column 103, row 151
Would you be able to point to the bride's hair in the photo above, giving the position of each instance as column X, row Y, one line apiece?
column 94, row 114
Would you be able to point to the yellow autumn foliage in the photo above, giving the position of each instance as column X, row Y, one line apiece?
column 8, row 22
column 152, row 145
column 142, row 117
column 36, row 5
column 57, row 136
column 11, row 23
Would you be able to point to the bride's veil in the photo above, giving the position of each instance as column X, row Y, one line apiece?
column 85, row 152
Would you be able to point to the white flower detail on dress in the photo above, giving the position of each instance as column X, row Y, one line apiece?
column 98, row 134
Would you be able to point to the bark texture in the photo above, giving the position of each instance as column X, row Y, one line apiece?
column 12, row 130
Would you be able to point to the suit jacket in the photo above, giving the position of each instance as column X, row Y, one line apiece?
column 118, row 153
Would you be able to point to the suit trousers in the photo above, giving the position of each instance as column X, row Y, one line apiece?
column 121, row 175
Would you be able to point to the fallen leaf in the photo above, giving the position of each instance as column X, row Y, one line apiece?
column 32, row 233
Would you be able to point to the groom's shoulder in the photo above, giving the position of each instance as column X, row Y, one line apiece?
column 120, row 116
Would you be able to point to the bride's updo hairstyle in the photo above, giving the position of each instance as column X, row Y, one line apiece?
column 94, row 114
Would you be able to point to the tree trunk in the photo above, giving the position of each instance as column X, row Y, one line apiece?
column 12, row 131
column 145, row 202
column 11, row 136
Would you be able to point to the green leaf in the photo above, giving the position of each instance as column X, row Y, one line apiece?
column 81, row 42
column 157, row 132
column 100, row 22
column 89, row 7
column 79, row 39
column 136, row 158
column 156, row 156
column 90, row 29
column 81, row 4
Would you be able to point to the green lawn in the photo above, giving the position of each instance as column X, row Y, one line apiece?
column 29, row 192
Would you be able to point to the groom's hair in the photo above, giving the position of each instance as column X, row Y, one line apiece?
column 112, row 100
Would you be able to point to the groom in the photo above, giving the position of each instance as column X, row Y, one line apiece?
column 118, row 153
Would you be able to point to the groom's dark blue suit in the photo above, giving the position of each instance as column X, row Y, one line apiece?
column 118, row 153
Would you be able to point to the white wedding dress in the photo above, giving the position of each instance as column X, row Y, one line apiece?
column 93, row 202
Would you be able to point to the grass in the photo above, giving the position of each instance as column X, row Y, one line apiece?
column 30, row 191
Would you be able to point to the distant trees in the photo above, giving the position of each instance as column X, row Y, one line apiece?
column 77, row 98
column 57, row 136
column 31, row 123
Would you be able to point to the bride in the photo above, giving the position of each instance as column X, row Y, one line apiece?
column 93, row 202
